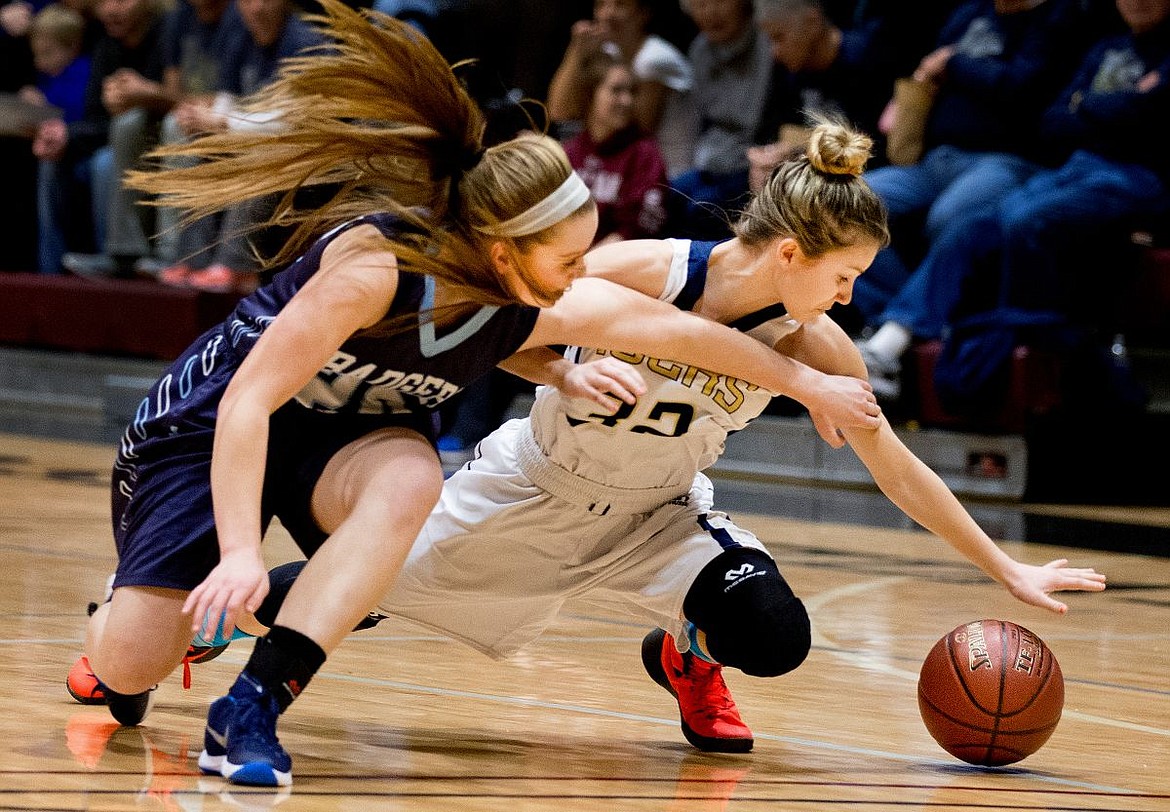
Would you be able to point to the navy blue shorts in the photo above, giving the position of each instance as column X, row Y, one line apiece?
column 164, row 527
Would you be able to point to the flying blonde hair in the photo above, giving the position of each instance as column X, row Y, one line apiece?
column 378, row 121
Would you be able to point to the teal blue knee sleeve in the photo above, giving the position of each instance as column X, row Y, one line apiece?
column 692, row 632
column 219, row 639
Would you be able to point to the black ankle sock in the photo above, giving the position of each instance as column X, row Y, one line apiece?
column 280, row 581
column 284, row 661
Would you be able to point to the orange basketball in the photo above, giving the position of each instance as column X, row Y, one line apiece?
column 990, row 692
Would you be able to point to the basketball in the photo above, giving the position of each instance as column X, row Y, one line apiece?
column 990, row 692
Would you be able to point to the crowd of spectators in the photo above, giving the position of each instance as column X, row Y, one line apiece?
column 1039, row 147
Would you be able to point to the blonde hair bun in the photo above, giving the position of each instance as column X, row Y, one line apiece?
column 835, row 148
column 819, row 199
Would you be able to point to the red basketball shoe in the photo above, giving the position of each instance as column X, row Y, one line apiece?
column 127, row 709
column 710, row 720
column 88, row 690
column 83, row 685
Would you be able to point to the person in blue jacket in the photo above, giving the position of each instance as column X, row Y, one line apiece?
column 997, row 65
column 1103, row 172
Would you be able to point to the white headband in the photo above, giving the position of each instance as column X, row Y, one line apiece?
column 567, row 198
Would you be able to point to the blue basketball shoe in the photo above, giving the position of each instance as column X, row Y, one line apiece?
column 219, row 716
column 252, row 755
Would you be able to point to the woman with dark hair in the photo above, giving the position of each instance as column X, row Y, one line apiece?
column 622, row 166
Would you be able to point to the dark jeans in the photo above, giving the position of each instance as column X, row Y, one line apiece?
column 64, row 218
column 1019, row 252
column 947, row 186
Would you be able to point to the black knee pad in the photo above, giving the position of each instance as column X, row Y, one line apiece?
column 280, row 581
column 746, row 609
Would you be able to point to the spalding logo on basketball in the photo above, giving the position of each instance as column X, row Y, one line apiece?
column 990, row 692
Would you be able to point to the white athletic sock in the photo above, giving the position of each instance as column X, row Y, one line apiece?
column 890, row 341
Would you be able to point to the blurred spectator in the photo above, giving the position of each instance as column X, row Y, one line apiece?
column 15, row 18
column 123, row 96
column 832, row 74
column 998, row 64
column 137, row 104
column 516, row 45
column 422, row 14
column 202, row 36
column 217, row 253
column 841, row 63
column 197, row 35
column 56, row 36
column 17, row 217
column 728, row 103
column 622, row 28
column 622, row 167
column 1014, row 265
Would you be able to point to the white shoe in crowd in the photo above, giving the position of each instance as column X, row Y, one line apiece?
column 885, row 373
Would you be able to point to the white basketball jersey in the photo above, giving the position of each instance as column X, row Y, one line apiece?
column 678, row 427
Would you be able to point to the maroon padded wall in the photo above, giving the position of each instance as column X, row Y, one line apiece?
column 105, row 317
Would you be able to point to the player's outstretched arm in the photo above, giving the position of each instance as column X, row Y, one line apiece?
column 598, row 313
column 924, row 497
column 920, row 492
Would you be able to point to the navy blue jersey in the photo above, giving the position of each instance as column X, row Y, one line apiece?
column 163, row 520
column 413, row 370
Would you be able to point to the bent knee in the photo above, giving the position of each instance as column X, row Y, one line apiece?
column 783, row 641
column 127, row 667
column 756, row 623
column 393, row 495
column 141, row 640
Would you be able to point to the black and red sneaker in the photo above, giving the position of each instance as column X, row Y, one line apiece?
column 710, row 720
column 83, row 685
column 127, row 709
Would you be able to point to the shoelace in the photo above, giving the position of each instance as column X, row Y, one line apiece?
column 704, row 682
column 255, row 726
column 193, row 653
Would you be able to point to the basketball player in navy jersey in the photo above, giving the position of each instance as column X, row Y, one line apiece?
column 314, row 401
column 575, row 501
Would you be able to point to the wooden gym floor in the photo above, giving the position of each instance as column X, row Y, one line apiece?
column 400, row 719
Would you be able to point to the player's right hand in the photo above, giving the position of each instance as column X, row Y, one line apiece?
column 1032, row 584
column 237, row 584
column 606, row 381
column 844, row 402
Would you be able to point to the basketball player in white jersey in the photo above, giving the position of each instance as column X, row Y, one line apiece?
column 314, row 400
column 609, row 505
